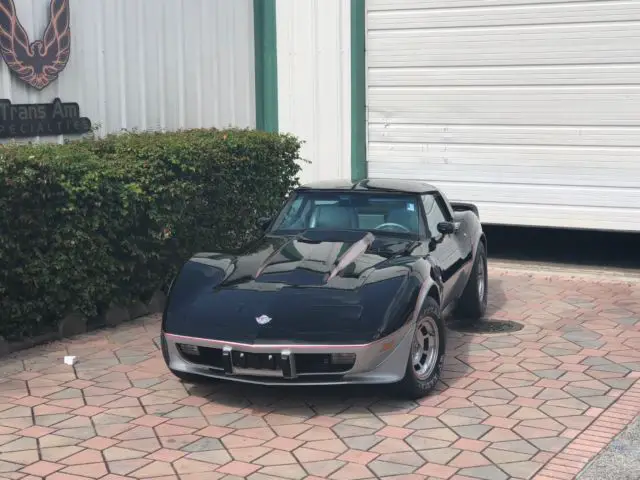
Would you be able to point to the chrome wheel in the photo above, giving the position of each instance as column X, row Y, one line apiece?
column 481, row 282
column 424, row 351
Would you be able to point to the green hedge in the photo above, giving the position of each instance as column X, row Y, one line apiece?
column 90, row 223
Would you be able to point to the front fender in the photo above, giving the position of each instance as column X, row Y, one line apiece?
column 196, row 274
column 430, row 288
column 397, row 301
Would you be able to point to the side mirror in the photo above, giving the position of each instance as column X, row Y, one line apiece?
column 446, row 228
column 264, row 223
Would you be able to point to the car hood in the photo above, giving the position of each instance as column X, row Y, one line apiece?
column 310, row 288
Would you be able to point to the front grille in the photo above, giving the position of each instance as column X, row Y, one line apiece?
column 305, row 363
column 256, row 361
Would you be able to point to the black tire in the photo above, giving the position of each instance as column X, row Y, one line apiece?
column 472, row 305
column 411, row 386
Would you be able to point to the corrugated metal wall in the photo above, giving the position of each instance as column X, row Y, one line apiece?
column 314, row 83
column 531, row 109
column 150, row 64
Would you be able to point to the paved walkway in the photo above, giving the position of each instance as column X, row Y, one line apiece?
column 539, row 403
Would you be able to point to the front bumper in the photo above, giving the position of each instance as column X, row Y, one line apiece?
column 382, row 361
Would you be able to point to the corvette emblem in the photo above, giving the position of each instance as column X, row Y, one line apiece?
column 263, row 319
column 40, row 62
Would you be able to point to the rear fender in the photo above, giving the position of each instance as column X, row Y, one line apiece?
column 465, row 207
column 468, row 215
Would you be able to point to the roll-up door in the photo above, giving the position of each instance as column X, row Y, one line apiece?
column 530, row 109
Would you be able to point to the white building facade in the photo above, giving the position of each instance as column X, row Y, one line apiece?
column 530, row 109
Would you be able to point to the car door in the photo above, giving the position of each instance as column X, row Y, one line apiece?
column 448, row 249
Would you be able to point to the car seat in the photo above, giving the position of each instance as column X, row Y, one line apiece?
column 333, row 216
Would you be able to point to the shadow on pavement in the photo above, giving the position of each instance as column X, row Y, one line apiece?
column 497, row 296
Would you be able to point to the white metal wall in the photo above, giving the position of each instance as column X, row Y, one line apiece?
column 530, row 108
column 314, row 83
column 150, row 64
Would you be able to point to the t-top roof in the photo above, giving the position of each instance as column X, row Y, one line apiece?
column 404, row 186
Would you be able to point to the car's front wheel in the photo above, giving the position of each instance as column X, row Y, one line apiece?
column 426, row 358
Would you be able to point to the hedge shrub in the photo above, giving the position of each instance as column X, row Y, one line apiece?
column 91, row 223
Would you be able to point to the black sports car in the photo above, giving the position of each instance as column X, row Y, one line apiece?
column 348, row 284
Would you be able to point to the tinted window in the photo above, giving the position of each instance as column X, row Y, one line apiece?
column 434, row 214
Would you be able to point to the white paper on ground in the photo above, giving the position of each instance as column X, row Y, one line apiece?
column 70, row 360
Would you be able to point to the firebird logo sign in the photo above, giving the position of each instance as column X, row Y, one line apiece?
column 38, row 63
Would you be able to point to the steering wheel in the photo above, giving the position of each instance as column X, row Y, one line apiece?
column 383, row 226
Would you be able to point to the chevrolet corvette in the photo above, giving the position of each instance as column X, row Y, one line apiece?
column 348, row 284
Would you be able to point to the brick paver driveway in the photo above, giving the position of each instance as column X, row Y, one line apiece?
column 535, row 404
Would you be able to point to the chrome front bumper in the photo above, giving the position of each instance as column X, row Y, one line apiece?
column 382, row 361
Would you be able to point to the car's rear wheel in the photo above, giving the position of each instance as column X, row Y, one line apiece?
column 473, row 303
column 424, row 365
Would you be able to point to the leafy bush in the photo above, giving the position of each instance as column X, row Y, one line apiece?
column 90, row 223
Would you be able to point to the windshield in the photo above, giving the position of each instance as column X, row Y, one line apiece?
column 365, row 211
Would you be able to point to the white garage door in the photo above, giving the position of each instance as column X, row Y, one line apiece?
column 529, row 108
